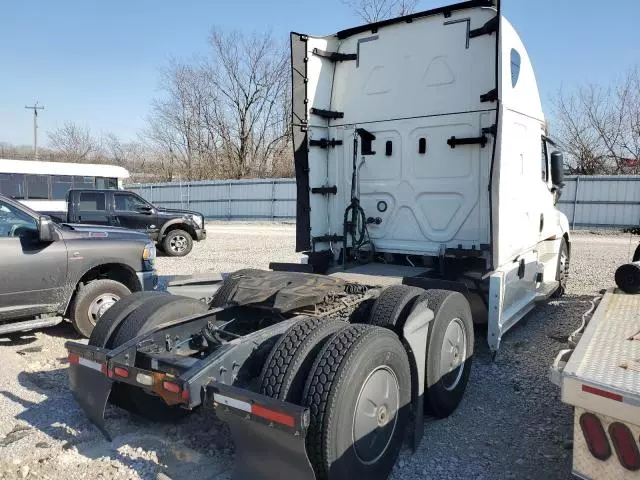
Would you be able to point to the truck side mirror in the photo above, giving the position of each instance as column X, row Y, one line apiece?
column 557, row 169
column 46, row 231
column 145, row 209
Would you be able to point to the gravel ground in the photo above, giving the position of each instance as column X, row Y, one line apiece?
column 511, row 423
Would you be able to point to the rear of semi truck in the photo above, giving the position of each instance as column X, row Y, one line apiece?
column 425, row 203
column 600, row 379
column 421, row 141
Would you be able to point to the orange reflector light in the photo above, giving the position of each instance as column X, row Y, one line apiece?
column 171, row 387
column 625, row 446
column 121, row 372
column 595, row 437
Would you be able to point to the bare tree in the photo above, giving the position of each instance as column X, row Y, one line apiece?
column 74, row 142
column 599, row 127
column 249, row 78
column 227, row 116
column 371, row 11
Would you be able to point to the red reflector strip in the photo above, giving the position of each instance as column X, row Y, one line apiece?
column 625, row 446
column 121, row 372
column 171, row 387
column 73, row 358
column 602, row 393
column 257, row 410
column 274, row 416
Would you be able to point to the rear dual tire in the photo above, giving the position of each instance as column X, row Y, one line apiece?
column 449, row 341
column 137, row 314
column 337, row 370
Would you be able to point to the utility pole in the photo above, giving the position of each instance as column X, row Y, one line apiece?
column 35, row 107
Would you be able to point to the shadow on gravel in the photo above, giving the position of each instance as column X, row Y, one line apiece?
column 197, row 447
column 513, row 398
column 17, row 339
column 62, row 330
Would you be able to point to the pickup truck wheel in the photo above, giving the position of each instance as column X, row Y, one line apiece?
column 151, row 313
column 393, row 306
column 359, row 396
column 177, row 243
column 287, row 367
column 111, row 320
column 449, row 351
column 92, row 300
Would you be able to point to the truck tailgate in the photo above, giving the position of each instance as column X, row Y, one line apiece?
column 603, row 373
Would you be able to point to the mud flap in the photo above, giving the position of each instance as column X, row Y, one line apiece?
column 269, row 435
column 91, row 388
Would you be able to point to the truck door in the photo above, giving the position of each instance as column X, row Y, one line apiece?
column 548, row 219
column 91, row 208
column 33, row 273
column 132, row 211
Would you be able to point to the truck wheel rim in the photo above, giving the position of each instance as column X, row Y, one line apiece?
column 453, row 354
column 376, row 414
column 564, row 266
column 178, row 243
column 100, row 305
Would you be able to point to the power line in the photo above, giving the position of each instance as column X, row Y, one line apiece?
column 35, row 107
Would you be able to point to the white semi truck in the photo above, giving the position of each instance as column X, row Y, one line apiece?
column 426, row 202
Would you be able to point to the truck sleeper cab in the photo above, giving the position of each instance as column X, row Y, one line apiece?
column 426, row 201
column 430, row 127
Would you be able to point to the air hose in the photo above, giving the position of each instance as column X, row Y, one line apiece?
column 355, row 221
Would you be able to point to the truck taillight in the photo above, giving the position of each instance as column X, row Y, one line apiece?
column 595, row 436
column 625, row 446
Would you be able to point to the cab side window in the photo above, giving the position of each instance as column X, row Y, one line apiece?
column 544, row 163
column 14, row 223
column 125, row 202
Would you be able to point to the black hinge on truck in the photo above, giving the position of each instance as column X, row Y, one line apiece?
column 490, row 96
column 335, row 56
column 325, row 190
column 327, row 113
column 325, row 143
column 453, row 142
column 487, row 29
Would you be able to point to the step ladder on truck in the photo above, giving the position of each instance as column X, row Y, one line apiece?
column 600, row 378
column 426, row 202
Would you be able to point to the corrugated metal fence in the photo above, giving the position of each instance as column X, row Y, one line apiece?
column 588, row 201
column 602, row 201
column 273, row 199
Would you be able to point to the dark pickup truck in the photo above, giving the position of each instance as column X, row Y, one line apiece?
column 174, row 231
column 49, row 272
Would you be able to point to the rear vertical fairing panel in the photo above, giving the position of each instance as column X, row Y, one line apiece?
column 311, row 89
column 299, row 125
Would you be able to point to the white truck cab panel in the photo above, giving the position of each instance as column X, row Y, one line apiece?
column 434, row 126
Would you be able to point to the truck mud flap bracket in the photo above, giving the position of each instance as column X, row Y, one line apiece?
column 269, row 435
